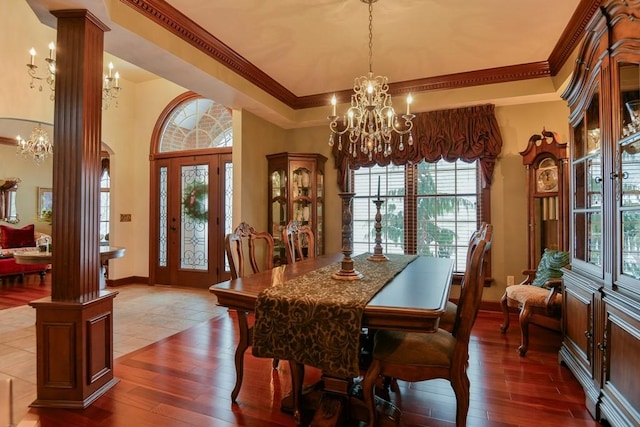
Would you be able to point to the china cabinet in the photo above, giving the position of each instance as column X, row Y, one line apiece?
column 601, row 304
column 296, row 193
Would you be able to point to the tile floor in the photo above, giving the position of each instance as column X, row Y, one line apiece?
column 142, row 315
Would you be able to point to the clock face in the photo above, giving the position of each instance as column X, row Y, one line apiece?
column 547, row 180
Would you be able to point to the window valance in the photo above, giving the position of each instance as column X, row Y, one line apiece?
column 467, row 134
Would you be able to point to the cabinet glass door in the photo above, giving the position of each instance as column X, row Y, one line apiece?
column 278, row 194
column 587, row 187
column 628, row 175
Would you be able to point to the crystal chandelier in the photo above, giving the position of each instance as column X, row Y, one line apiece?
column 37, row 146
column 50, row 75
column 111, row 87
column 371, row 120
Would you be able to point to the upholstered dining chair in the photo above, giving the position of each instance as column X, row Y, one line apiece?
column 299, row 242
column 447, row 320
column 414, row 356
column 538, row 297
column 245, row 242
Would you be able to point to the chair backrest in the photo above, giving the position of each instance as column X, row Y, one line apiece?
column 473, row 285
column 477, row 235
column 299, row 242
column 244, row 243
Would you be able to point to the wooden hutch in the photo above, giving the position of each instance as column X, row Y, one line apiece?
column 601, row 304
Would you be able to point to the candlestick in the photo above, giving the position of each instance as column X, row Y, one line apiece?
column 333, row 103
column 409, row 101
column 110, row 68
column 378, row 256
column 378, row 198
column 32, row 52
column 51, row 49
column 347, row 272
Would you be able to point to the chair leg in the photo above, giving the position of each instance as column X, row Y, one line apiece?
column 297, row 379
column 460, row 384
column 368, row 390
column 504, row 303
column 525, row 315
column 243, row 344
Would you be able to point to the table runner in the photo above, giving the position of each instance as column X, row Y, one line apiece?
column 316, row 320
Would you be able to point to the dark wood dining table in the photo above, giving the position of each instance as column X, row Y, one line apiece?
column 413, row 300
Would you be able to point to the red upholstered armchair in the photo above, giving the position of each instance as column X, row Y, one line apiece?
column 14, row 240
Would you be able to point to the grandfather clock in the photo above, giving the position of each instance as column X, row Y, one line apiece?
column 546, row 161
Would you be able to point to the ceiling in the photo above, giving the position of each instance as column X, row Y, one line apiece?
column 301, row 51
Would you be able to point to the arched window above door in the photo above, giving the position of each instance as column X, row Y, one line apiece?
column 197, row 123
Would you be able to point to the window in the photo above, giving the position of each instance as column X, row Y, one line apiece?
column 105, row 202
column 429, row 209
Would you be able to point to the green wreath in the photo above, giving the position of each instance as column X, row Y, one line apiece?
column 194, row 201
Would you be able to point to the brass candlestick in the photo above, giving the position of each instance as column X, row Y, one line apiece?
column 378, row 256
column 346, row 271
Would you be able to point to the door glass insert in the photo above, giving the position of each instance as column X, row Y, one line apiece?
column 163, row 218
column 194, row 245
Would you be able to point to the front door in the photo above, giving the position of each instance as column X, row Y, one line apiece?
column 191, row 214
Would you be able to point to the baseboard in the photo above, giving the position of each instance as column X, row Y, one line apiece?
column 131, row 280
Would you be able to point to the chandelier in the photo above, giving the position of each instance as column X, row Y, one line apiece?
column 37, row 146
column 111, row 83
column 50, row 73
column 111, row 87
column 370, row 120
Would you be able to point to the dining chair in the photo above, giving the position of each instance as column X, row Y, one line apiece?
column 415, row 356
column 447, row 320
column 538, row 297
column 245, row 242
column 299, row 242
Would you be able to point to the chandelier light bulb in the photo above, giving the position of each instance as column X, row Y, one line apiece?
column 409, row 101
column 52, row 48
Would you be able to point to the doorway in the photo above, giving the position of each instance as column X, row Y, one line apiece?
column 190, row 219
column 191, row 193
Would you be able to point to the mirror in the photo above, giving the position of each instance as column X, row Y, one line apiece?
column 8, row 195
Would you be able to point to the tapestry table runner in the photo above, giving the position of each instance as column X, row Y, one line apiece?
column 316, row 320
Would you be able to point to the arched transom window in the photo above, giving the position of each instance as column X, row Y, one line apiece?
column 197, row 124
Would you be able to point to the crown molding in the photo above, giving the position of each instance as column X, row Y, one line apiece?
column 165, row 15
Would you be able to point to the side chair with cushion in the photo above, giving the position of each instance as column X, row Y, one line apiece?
column 414, row 356
column 447, row 320
column 299, row 242
column 245, row 242
column 538, row 296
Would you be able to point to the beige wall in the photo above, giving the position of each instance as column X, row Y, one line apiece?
column 127, row 132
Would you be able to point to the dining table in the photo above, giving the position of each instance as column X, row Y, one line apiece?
column 409, row 293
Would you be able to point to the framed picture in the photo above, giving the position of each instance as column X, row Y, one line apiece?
column 45, row 204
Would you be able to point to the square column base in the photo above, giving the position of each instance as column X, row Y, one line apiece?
column 74, row 351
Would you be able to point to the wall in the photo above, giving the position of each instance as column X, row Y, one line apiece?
column 32, row 176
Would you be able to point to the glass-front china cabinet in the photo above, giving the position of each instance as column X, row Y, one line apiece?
column 296, row 193
column 601, row 301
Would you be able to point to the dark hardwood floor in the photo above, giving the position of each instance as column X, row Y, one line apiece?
column 186, row 380
column 15, row 291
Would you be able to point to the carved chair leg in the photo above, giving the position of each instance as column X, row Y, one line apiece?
column 504, row 303
column 243, row 344
column 368, row 391
column 525, row 316
column 297, row 379
column 460, row 384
